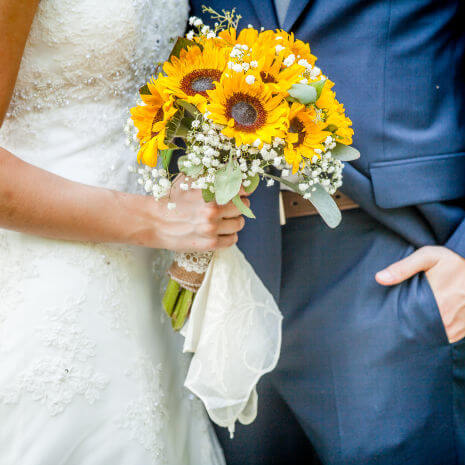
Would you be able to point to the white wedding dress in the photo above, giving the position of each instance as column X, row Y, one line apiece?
column 90, row 373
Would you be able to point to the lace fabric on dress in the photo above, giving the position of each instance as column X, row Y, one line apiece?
column 82, row 66
column 90, row 373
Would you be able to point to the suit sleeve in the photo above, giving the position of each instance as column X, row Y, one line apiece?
column 457, row 241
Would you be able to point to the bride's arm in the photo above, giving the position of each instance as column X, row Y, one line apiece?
column 38, row 202
column 15, row 22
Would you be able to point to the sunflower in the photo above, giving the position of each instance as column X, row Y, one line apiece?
column 247, row 36
column 190, row 76
column 301, row 50
column 248, row 111
column 305, row 135
column 336, row 120
column 151, row 120
column 273, row 73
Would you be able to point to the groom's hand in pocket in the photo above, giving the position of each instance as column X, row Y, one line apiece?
column 445, row 271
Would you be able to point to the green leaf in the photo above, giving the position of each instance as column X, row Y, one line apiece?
column 318, row 85
column 208, row 195
column 303, row 93
column 166, row 157
column 246, row 211
column 182, row 44
column 254, row 181
column 228, row 181
column 192, row 171
column 287, row 183
column 173, row 125
column 182, row 130
column 144, row 90
column 173, row 146
column 189, row 107
column 345, row 152
column 326, row 206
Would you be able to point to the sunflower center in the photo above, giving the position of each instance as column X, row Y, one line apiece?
column 267, row 77
column 202, row 84
column 297, row 127
column 247, row 111
column 199, row 81
column 158, row 117
column 244, row 113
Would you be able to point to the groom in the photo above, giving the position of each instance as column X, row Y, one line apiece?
column 373, row 364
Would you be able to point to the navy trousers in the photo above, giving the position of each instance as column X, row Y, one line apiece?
column 366, row 375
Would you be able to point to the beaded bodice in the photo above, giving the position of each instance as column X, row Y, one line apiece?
column 81, row 69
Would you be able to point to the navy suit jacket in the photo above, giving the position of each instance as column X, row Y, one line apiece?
column 399, row 70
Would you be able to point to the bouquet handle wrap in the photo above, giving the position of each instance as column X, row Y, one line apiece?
column 234, row 332
column 188, row 269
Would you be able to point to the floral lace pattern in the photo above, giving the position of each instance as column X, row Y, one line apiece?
column 146, row 416
column 137, row 36
column 76, row 317
column 79, row 76
column 65, row 371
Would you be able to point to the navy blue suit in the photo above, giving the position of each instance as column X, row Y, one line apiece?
column 366, row 372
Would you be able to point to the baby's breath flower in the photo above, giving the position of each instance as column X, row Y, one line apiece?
column 289, row 61
column 250, row 79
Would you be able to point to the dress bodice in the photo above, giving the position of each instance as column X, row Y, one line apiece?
column 81, row 69
column 90, row 372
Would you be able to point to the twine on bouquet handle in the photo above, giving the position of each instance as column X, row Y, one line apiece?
column 186, row 276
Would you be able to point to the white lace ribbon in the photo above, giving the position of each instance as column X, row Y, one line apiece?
column 234, row 331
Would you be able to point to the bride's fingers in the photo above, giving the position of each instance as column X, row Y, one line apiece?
column 226, row 241
column 231, row 211
column 230, row 225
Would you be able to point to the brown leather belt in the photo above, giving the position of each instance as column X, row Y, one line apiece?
column 294, row 205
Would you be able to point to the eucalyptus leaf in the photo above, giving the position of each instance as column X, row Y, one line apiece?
column 345, row 152
column 192, row 171
column 318, row 85
column 228, row 181
column 303, row 93
column 326, row 206
column 208, row 195
column 254, row 181
column 166, row 158
column 244, row 209
column 287, row 183
column 182, row 44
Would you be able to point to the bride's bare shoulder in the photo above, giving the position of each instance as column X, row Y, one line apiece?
column 16, row 17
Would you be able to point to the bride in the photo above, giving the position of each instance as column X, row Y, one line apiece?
column 90, row 373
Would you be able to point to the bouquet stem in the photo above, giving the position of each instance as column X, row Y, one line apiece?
column 186, row 272
column 181, row 311
column 171, row 296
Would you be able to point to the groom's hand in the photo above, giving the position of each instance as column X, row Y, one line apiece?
column 445, row 271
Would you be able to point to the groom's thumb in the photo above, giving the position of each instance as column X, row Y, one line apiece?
column 421, row 260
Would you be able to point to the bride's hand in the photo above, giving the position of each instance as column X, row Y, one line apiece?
column 193, row 225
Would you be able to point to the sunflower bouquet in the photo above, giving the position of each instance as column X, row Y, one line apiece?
column 249, row 105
